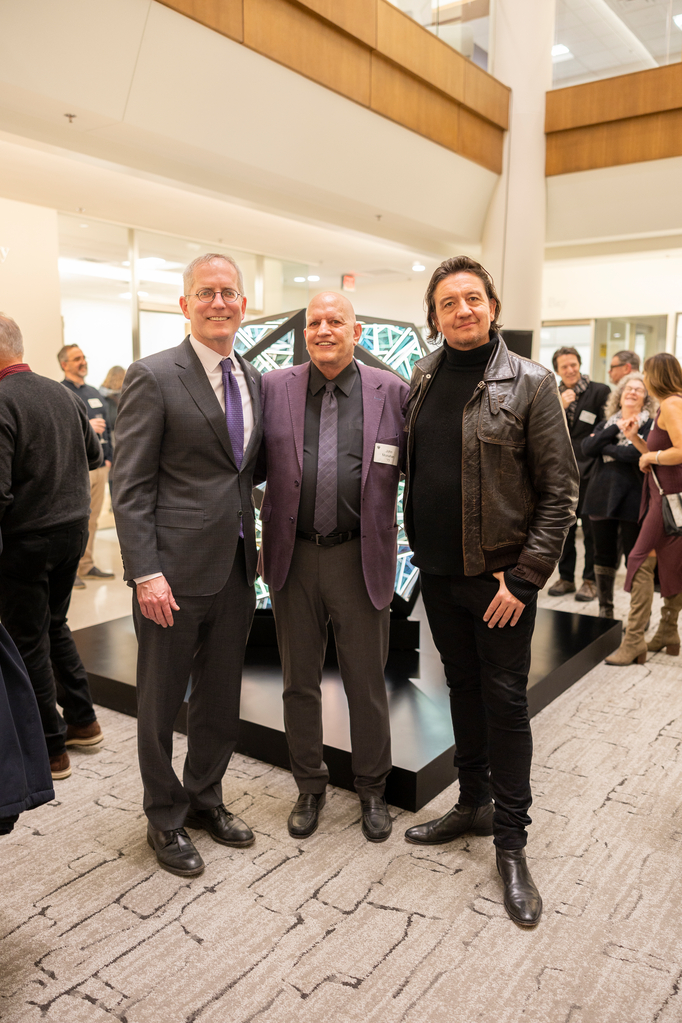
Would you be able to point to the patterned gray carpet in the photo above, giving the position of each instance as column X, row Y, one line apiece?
column 336, row 929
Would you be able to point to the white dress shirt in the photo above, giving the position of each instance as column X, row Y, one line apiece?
column 211, row 361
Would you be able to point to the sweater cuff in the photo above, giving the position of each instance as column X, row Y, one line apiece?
column 522, row 589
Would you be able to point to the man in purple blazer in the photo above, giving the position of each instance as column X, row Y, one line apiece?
column 333, row 445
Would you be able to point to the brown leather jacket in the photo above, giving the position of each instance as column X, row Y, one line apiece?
column 519, row 475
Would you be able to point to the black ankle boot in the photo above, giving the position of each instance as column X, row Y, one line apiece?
column 521, row 898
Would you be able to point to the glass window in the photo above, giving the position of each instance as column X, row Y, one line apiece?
column 644, row 335
column 94, row 272
column 576, row 335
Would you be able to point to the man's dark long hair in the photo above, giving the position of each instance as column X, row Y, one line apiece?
column 456, row 265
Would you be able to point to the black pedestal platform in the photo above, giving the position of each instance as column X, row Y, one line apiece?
column 565, row 647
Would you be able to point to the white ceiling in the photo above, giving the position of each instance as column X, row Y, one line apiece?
column 181, row 130
column 614, row 37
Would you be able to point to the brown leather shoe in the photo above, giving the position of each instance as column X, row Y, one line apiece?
column 60, row 766
column 588, row 591
column 561, row 588
column 84, row 735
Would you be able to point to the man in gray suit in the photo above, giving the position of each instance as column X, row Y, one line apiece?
column 187, row 435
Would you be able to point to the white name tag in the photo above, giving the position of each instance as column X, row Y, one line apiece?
column 95, row 403
column 587, row 417
column 386, row 453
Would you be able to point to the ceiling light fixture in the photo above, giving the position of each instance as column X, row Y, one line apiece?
column 677, row 18
column 418, row 267
column 313, row 277
column 561, row 52
column 299, row 280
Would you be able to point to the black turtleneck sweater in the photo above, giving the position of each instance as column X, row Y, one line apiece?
column 436, row 467
column 436, row 487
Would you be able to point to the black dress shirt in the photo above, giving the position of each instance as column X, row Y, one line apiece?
column 348, row 394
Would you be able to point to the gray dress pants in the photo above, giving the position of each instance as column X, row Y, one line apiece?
column 324, row 583
column 207, row 642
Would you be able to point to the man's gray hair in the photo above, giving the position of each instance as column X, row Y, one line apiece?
column 11, row 341
column 625, row 357
column 209, row 257
column 63, row 353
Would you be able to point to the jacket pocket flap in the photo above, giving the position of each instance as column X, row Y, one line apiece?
column 180, row 518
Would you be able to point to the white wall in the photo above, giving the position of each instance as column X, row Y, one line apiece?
column 29, row 280
column 102, row 331
column 638, row 284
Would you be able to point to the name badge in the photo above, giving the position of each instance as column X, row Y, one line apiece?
column 95, row 403
column 587, row 417
column 386, row 453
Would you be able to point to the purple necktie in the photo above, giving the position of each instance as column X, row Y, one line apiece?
column 325, row 491
column 234, row 416
column 234, row 413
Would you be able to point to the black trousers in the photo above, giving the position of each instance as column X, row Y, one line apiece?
column 37, row 571
column 607, row 533
column 487, row 673
column 207, row 642
column 567, row 561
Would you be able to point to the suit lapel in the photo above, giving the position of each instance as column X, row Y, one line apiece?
column 194, row 378
column 254, row 390
column 297, row 390
column 373, row 400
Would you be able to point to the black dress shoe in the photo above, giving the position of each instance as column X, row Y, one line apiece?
column 521, row 898
column 461, row 820
column 376, row 820
column 221, row 825
column 175, row 851
column 304, row 817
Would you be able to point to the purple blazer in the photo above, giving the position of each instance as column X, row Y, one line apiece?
column 283, row 399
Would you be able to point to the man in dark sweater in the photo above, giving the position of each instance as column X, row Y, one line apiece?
column 491, row 490
column 46, row 449
column 75, row 367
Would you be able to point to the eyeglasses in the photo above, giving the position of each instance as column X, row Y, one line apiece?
column 208, row 294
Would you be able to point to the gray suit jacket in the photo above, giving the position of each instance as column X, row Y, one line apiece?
column 177, row 495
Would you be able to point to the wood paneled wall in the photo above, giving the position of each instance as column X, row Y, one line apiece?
column 372, row 53
column 620, row 120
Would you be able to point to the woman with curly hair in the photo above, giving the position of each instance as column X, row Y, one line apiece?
column 615, row 488
column 662, row 451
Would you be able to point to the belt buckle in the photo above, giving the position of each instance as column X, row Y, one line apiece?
column 317, row 539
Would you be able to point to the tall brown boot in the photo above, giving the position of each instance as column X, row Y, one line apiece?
column 605, row 578
column 633, row 648
column 666, row 634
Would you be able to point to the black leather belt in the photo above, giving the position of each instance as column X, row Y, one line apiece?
column 328, row 541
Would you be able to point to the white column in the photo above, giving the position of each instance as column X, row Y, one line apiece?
column 522, row 35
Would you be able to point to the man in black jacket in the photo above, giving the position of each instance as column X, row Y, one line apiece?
column 583, row 402
column 490, row 493
column 46, row 449
column 75, row 367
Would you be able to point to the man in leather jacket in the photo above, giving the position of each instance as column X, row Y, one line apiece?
column 491, row 491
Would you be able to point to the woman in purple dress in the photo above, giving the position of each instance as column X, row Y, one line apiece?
column 662, row 451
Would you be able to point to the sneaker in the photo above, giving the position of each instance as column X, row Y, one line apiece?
column 561, row 587
column 84, row 735
column 78, row 584
column 588, row 591
column 98, row 573
column 60, row 766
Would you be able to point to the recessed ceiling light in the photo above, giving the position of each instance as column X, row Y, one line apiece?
column 418, row 267
column 313, row 278
column 299, row 280
column 678, row 20
column 126, row 294
column 561, row 52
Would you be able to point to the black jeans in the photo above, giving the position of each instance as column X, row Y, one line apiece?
column 567, row 561
column 487, row 672
column 606, row 534
column 37, row 571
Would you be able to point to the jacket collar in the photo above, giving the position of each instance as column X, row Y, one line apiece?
column 500, row 366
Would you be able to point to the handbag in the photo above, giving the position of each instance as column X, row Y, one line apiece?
column 671, row 505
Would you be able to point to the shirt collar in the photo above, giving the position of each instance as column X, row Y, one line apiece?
column 344, row 381
column 209, row 359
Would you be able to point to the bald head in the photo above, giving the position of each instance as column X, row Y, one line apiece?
column 331, row 333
